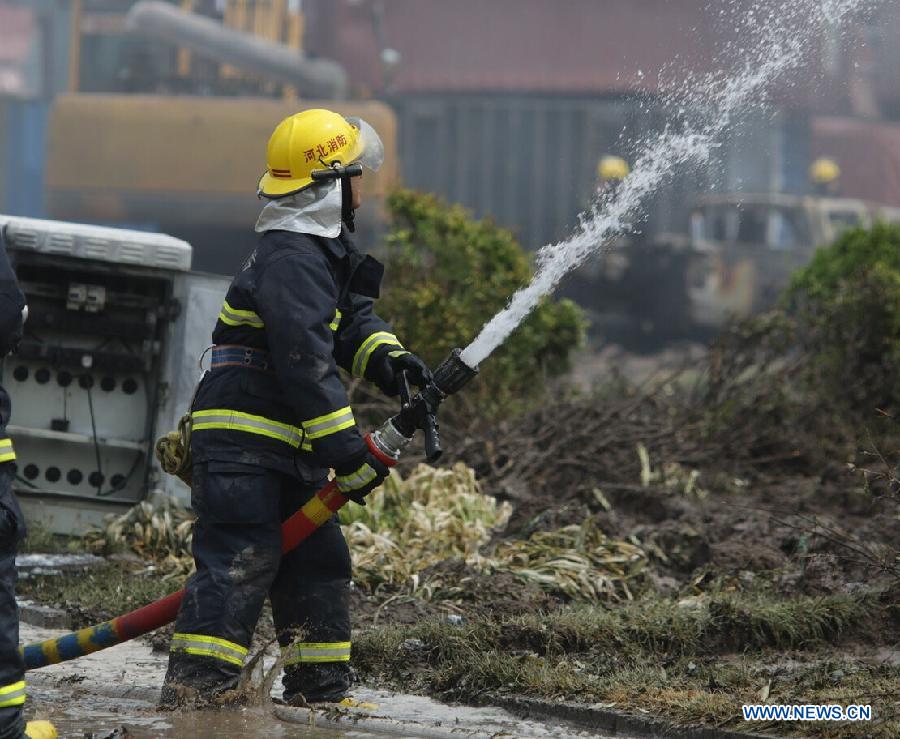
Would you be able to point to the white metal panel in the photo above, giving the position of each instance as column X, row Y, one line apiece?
column 201, row 297
column 117, row 245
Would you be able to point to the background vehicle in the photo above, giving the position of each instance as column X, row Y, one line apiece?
column 735, row 261
column 744, row 248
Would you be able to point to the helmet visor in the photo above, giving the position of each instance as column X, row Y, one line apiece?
column 369, row 149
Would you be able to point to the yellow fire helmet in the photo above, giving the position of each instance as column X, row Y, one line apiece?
column 316, row 139
column 824, row 170
column 612, row 168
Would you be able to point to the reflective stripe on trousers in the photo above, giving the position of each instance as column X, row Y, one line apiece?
column 316, row 652
column 230, row 420
column 12, row 695
column 7, row 453
column 209, row 646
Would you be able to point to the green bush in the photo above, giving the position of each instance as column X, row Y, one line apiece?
column 448, row 275
column 847, row 306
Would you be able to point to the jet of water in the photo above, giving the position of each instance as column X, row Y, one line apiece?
column 778, row 36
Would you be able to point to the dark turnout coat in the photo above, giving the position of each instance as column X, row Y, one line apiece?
column 306, row 304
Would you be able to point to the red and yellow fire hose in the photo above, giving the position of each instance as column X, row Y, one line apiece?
column 386, row 443
column 130, row 625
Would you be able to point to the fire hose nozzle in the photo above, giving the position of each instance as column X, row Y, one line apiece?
column 453, row 374
column 420, row 412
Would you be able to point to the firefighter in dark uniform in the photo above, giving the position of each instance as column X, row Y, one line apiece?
column 272, row 416
column 12, row 529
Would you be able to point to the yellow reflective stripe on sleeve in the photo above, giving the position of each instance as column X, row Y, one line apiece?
column 336, row 321
column 12, row 695
column 331, row 423
column 223, row 418
column 7, row 453
column 356, row 480
column 239, row 317
column 310, row 652
column 209, row 646
column 364, row 353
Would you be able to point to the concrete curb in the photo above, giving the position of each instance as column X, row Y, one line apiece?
column 140, row 693
column 350, row 721
column 613, row 722
column 44, row 617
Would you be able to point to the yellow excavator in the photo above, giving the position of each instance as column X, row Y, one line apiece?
column 168, row 111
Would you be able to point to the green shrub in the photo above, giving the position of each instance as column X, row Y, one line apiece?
column 448, row 275
column 847, row 306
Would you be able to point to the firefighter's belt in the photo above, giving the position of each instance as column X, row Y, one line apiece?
column 235, row 355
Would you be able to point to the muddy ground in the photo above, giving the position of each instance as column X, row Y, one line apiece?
column 769, row 574
column 114, row 694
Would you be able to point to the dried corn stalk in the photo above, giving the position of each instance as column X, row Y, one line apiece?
column 161, row 533
column 433, row 515
column 440, row 514
column 580, row 561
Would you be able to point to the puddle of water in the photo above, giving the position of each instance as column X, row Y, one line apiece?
column 90, row 715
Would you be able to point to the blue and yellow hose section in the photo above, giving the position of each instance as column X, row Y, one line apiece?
column 77, row 644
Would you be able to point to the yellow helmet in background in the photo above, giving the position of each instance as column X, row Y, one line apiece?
column 824, row 171
column 612, row 168
column 316, row 139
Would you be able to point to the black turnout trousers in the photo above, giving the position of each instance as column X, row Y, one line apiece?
column 237, row 549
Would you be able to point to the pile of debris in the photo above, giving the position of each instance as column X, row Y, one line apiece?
column 433, row 516
column 438, row 515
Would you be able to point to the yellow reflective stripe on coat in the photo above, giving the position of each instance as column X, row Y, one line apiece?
column 364, row 353
column 336, row 321
column 12, row 695
column 356, row 480
column 209, row 646
column 240, row 317
column 230, row 420
column 308, row 652
column 331, row 423
column 7, row 453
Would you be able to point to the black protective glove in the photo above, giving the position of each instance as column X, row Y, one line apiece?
column 360, row 475
column 386, row 372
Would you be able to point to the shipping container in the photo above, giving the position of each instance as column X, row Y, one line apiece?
column 530, row 161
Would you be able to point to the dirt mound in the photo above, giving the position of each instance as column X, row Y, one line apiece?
column 717, row 471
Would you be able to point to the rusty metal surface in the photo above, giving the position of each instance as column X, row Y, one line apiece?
column 868, row 153
column 17, row 28
column 515, row 45
column 18, row 34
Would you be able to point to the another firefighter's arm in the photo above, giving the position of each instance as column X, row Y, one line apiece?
column 12, row 303
column 296, row 298
column 363, row 339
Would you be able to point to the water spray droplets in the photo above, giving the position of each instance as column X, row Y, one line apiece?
column 705, row 107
